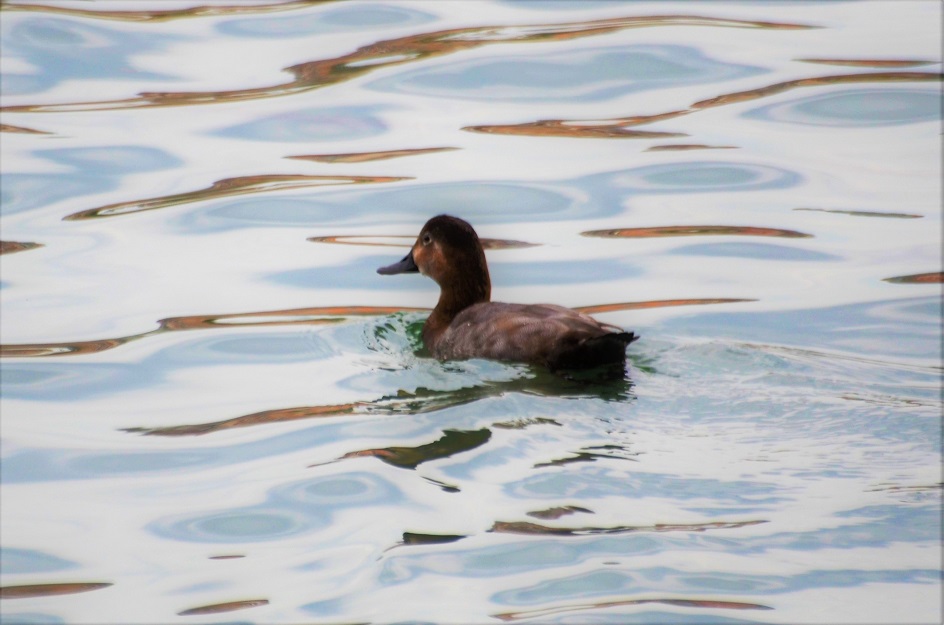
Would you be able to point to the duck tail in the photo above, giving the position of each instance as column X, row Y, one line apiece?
column 608, row 347
column 626, row 337
column 605, row 349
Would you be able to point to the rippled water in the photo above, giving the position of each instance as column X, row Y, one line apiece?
column 212, row 404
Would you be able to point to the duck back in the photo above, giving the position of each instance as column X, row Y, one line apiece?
column 544, row 334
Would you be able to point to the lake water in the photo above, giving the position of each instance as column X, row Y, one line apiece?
column 214, row 410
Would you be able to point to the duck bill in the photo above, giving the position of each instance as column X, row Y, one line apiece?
column 404, row 265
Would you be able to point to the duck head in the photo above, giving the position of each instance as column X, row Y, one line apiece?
column 449, row 251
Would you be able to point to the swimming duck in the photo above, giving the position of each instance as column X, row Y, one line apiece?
column 466, row 324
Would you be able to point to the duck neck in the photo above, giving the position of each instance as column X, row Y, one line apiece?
column 454, row 297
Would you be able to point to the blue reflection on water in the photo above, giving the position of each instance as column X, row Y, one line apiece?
column 575, row 75
column 364, row 16
column 65, row 381
column 112, row 160
column 55, row 464
column 701, row 176
column 281, row 347
column 361, row 273
column 344, row 490
column 856, row 108
column 32, row 618
column 543, row 5
column 482, row 202
column 596, row 482
column 906, row 327
column 289, row 509
column 251, row 524
column 757, row 251
column 304, row 125
column 96, row 170
column 13, row 561
column 128, row 463
column 885, row 526
column 488, row 201
column 62, row 49
column 23, row 192
column 36, row 465
column 645, row 617
column 666, row 580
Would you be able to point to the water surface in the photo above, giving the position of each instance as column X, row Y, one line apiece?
column 214, row 407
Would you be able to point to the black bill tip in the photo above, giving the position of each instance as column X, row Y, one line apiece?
column 404, row 265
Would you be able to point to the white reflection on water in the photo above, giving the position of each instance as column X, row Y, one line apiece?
column 207, row 409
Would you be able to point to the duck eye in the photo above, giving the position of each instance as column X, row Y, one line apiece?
column 427, row 239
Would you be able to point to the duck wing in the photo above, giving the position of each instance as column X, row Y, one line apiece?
column 545, row 334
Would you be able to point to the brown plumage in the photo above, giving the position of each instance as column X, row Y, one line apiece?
column 466, row 324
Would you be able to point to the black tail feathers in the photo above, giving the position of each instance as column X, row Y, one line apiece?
column 606, row 349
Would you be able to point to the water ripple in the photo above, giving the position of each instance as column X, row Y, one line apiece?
column 365, row 16
column 592, row 74
column 702, row 176
column 322, row 73
column 624, row 126
column 227, row 187
column 66, row 49
column 307, row 125
column 856, row 108
column 363, row 157
column 252, row 524
column 163, row 15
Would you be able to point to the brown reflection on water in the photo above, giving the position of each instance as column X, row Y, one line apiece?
column 590, row 455
column 451, row 443
column 868, row 62
column 363, row 157
column 165, row 15
column 686, row 231
column 420, row 401
column 603, row 129
column 889, row 400
column 898, row 488
column 22, row 130
column 227, row 187
column 34, row 350
column 520, row 424
column 617, row 127
column 842, row 79
column 685, row 147
column 558, row 512
column 47, row 590
column 412, row 538
column 266, row 416
column 11, row 247
column 936, row 277
column 294, row 316
column 322, row 73
column 366, row 239
column 219, row 608
column 527, row 527
column 862, row 213
column 684, row 603
column 602, row 308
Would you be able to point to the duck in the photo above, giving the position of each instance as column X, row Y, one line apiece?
column 466, row 324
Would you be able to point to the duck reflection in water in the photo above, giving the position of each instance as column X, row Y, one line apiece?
column 466, row 324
